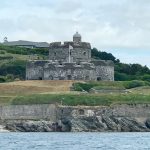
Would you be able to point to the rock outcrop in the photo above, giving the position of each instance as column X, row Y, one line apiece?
column 108, row 124
column 81, row 124
column 118, row 118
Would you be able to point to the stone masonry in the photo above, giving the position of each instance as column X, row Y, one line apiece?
column 70, row 61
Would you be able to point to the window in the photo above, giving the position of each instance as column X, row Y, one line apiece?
column 81, row 112
column 50, row 77
column 84, row 53
column 54, row 53
column 99, row 78
column 69, row 77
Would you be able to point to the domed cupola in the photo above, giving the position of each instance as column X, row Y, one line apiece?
column 76, row 37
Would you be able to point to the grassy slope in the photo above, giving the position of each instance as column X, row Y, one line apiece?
column 33, row 92
column 45, row 92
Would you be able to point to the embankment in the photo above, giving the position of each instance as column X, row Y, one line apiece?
column 47, row 118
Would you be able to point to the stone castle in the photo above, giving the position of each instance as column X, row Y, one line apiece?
column 70, row 61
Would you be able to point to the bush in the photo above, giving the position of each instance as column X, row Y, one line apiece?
column 83, row 86
column 146, row 77
column 2, row 52
column 2, row 79
column 77, row 87
column 15, row 68
column 118, row 85
column 9, row 77
column 134, row 84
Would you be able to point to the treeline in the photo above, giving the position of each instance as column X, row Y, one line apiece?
column 124, row 72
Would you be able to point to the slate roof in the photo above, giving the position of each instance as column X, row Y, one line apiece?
column 27, row 43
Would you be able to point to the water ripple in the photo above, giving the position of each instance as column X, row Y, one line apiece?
column 74, row 141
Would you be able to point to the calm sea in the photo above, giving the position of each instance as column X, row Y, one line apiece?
column 74, row 141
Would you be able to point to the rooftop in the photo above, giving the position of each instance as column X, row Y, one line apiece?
column 27, row 43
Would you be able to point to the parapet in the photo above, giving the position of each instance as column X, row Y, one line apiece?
column 32, row 63
column 55, row 44
column 73, row 44
column 103, row 63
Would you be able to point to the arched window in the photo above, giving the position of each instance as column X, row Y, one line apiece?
column 54, row 53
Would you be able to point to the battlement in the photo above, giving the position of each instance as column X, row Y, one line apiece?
column 73, row 44
column 102, row 62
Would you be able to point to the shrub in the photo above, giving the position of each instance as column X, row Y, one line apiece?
column 146, row 77
column 133, row 84
column 2, row 79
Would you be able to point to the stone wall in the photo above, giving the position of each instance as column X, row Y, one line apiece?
column 69, row 71
column 80, row 52
column 34, row 69
column 48, row 70
column 104, row 70
column 122, row 110
column 54, row 113
column 28, row 112
column 47, row 118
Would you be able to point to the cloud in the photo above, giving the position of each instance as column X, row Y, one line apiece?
column 108, row 25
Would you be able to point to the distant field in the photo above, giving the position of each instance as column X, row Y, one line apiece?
column 45, row 92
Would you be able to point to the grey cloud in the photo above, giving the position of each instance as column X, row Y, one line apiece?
column 105, row 23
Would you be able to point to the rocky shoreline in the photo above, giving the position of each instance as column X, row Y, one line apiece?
column 80, row 124
column 58, row 118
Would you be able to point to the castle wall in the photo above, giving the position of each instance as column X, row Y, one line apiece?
column 34, row 70
column 80, row 67
column 80, row 52
column 69, row 71
column 104, row 70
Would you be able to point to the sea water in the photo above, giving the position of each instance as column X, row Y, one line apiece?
column 74, row 141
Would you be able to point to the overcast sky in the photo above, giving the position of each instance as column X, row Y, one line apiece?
column 121, row 27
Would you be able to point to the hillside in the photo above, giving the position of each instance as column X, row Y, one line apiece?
column 11, row 90
column 13, row 62
column 46, row 92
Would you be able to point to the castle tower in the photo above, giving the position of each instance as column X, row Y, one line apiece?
column 77, row 38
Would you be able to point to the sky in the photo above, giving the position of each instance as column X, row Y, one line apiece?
column 121, row 27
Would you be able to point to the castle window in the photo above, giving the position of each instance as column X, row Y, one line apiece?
column 84, row 53
column 54, row 53
column 69, row 77
column 51, row 77
column 81, row 112
column 99, row 78
column 87, row 78
column 60, row 63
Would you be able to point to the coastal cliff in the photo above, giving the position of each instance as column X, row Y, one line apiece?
column 117, row 118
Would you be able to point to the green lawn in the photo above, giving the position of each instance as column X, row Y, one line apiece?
column 82, row 99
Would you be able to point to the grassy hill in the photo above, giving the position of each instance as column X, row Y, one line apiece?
column 13, row 61
column 46, row 92
column 12, row 68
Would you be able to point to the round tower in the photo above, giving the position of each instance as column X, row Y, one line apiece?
column 77, row 38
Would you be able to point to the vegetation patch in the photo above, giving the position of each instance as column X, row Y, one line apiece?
column 110, row 85
column 82, row 99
